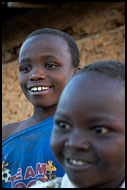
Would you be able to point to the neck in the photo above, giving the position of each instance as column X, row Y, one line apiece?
column 41, row 114
column 115, row 184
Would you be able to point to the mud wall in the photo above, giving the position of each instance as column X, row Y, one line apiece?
column 98, row 29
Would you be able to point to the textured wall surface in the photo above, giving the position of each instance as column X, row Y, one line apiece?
column 99, row 32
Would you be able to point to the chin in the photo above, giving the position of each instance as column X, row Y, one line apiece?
column 78, row 181
column 44, row 105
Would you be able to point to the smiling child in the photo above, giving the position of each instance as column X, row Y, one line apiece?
column 48, row 58
column 88, row 137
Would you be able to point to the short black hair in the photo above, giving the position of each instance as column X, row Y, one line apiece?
column 111, row 68
column 73, row 48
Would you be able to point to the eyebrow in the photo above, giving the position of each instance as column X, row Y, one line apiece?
column 25, row 60
column 43, row 57
column 60, row 114
column 93, row 119
column 47, row 56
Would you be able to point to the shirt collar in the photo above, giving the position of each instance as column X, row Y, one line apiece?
column 123, row 185
column 66, row 183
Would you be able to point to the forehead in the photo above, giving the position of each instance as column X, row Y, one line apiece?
column 93, row 92
column 45, row 42
column 99, row 84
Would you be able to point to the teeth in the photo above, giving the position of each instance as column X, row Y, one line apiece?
column 77, row 162
column 45, row 88
column 39, row 88
column 35, row 89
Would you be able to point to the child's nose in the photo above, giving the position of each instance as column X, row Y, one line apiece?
column 37, row 75
column 78, row 142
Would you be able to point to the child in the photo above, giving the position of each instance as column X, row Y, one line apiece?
column 48, row 58
column 88, row 137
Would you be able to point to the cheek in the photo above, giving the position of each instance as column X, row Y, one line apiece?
column 21, row 81
column 112, row 153
column 57, row 144
column 63, row 77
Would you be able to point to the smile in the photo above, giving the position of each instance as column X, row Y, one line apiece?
column 77, row 162
column 39, row 88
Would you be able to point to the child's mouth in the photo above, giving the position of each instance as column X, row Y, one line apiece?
column 77, row 162
column 40, row 89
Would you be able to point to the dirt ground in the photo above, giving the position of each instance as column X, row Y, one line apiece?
column 99, row 34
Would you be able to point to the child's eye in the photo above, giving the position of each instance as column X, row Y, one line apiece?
column 100, row 130
column 50, row 66
column 25, row 69
column 63, row 125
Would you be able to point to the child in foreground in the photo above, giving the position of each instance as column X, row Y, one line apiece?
column 88, row 137
column 48, row 58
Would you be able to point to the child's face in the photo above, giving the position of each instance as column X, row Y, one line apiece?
column 45, row 66
column 89, row 126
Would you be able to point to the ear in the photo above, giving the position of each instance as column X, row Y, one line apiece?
column 76, row 69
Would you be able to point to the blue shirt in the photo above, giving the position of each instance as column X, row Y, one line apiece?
column 27, row 157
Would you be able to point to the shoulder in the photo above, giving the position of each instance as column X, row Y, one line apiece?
column 55, row 183
column 8, row 130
